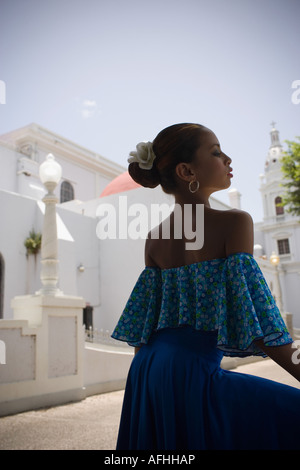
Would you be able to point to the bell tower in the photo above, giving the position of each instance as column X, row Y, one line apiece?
column 271, row 178
column 275, row 142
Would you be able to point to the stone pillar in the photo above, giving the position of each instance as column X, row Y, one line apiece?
column 60, row 343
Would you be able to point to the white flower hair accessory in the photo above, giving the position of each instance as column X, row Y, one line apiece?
column 143, row 155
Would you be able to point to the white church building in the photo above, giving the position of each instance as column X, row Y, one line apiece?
column 98, row 272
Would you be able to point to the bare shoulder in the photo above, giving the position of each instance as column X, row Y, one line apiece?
column 238, row 216
column 232, row 219
column 239, row 233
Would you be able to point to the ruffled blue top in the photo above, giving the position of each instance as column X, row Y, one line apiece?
column 229, row 295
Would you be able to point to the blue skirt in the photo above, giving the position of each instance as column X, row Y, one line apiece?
column 178, row 398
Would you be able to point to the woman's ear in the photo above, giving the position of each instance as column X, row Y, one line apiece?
column 184, row 171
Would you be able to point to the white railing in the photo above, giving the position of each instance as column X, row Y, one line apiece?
column 102, row 337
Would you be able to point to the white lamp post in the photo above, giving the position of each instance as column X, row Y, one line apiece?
column 274, row 260
column 58, row 361
column 50, row 174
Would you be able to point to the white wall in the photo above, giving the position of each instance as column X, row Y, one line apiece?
column 50, row 364
column 44, row 353
column 77, row 243
column 20, row 345
column 8, row 175
column 18, row 215
column 105, row 368
column 83, row 250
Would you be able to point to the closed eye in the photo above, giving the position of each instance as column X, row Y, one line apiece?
column 217, row 153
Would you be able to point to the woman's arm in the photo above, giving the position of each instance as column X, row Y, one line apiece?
column 286, row 356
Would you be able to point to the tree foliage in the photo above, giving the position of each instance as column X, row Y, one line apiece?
column 290, row 167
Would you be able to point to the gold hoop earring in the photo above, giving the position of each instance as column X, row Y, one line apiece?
column 196, row 188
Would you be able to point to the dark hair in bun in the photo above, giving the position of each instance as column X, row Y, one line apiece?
column 147, row 178
column 173, row 145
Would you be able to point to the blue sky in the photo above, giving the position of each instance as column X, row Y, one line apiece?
column 108, row 74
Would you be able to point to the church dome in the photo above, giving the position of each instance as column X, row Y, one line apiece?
column 121, row 183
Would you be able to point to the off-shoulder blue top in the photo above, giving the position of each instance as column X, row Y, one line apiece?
column 229, row 295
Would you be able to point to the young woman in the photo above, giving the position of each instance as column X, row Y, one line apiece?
column 191, row 307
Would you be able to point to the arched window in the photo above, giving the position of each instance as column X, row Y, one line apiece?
column 279, row 209
column 66, row 192
column 2, row 268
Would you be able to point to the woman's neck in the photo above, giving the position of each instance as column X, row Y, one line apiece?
column 192, row 198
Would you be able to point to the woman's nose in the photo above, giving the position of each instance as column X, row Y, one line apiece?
column 227, row 159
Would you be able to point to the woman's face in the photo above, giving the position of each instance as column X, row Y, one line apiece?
column 211, row 165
